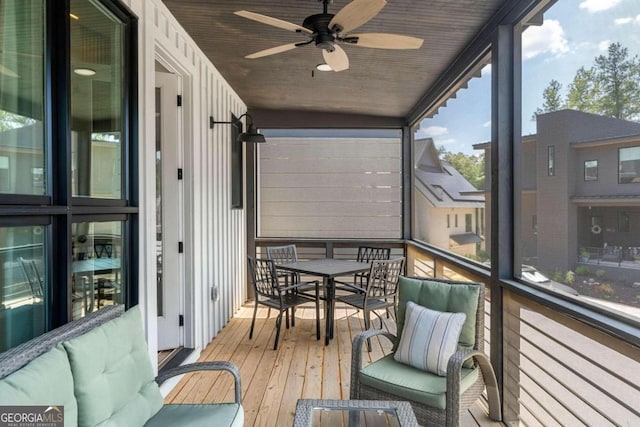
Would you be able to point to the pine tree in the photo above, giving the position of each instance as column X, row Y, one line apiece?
column 611, row 87
column 552, row 99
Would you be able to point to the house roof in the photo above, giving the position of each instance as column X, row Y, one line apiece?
column 465, row 238
column 440, row 183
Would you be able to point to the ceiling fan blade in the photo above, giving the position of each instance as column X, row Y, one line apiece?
column 385, row 41
column 355, row 14
column 272, row 51
column 337, row 60
column 275, row 22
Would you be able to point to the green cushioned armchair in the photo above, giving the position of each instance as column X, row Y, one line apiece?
column 436, row 400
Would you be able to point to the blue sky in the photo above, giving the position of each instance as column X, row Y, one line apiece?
column 573, row 34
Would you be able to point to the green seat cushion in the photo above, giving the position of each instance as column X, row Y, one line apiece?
column 410, row 383
column 113, row 378
column 458, row 298
column 46, row 380
column 218, row 415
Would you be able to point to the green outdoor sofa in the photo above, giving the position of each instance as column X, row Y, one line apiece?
column 98, row 369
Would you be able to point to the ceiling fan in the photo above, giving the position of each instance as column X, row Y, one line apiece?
column 327, row 31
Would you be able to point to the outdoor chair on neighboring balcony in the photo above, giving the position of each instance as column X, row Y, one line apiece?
column 437, row 363
column 380, row 291
column 269, row 293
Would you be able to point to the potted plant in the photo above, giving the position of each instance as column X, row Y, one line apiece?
column 584, row 255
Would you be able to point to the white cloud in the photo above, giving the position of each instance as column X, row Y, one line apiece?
column 623, row 21
column 486, row 124
column 604, row 45
column 486, row 70
column 547, row 38
column 594, row 6
column 435, row 131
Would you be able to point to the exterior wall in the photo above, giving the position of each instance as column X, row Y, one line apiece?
column 431, row 225
column 555, row 212
column 214, row 234
column 607, row 182
column 529, row 164
column 528, row 237
column 558, row 219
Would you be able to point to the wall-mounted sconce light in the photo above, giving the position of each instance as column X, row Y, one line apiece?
column 251, row 135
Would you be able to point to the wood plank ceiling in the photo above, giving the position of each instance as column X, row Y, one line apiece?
column 379, row 82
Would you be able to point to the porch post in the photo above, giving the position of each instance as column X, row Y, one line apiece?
column 250, row 206
column 504, row 148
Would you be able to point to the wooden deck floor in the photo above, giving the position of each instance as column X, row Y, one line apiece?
column 272, row 381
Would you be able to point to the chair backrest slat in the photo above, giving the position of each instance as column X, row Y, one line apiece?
column 383, row 277
column 263, row 277
column 282, row 254
column 369, row 253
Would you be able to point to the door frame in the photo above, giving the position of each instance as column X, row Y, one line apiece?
column 184, row 138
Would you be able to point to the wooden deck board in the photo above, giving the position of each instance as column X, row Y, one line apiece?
column 302, row 367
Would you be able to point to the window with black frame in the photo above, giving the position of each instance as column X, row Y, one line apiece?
column 72, row 254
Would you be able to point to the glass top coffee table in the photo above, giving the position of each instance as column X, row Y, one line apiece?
column 353, row 413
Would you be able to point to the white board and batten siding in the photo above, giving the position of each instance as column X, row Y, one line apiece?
column 214, row 233
column 330, row 187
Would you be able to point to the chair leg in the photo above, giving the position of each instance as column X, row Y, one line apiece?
column 278, row 324
column 293, row 316
column 367, row 325
column 253, row 321
column 317, row 319
column 286, row 315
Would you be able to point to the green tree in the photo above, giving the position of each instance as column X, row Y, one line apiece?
column 618, row 77
column 552, row 99
column 610, row 87
column 470, row 166
column 582, row 95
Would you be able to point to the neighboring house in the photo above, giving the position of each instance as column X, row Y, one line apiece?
column 452, row 210
column 580, row 188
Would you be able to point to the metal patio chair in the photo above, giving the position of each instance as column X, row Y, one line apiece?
column 269, row 293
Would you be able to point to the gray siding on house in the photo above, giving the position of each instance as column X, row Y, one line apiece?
column 574, row 136
column 607, row 183
column 564, row 203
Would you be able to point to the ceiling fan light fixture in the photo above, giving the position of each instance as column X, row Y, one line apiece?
column 84, row 71
column 324, row 67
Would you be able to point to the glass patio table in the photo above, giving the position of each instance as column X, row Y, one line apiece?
column 354, row 413
column 328, row 269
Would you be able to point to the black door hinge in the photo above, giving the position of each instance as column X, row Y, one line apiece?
column 179, row 173
column 179, row 100
column 180, row 247
column 180, row 320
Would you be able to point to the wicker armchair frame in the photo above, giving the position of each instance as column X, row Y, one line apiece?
column 455, row 401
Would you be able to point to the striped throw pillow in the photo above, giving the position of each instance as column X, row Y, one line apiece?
column 429, row 338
